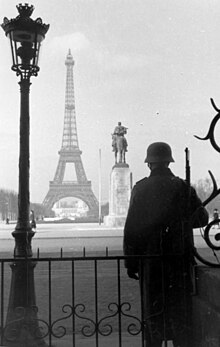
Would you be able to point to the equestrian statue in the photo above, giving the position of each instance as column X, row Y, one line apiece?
column 119, row 143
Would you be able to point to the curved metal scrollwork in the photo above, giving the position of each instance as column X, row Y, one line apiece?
column 133, row 329
column 61, row 329
column 108, row 326
column 210, row 136
column 209, row 242
column 89, row 329
column 215, row 190
column 38, row 328
column 40, row 332
column 204, row 261
column 216, row 236
column 104, row 328
column 208, row 228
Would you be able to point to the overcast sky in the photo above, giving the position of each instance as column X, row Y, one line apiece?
column 151, row 64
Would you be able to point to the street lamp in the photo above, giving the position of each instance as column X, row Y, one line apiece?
column 25, row 35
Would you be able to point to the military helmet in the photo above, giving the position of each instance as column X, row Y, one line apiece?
column 159, row 152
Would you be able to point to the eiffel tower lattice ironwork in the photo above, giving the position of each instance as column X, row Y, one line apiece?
column 70, row 153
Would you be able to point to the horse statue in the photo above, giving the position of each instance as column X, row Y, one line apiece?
column 119, row 145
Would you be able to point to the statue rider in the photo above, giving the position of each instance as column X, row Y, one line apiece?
column 120, row 130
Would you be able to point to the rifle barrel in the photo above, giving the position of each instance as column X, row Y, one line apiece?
column 187, row 166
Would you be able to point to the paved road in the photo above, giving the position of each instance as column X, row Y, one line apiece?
column 73, row 237
column 70, row 237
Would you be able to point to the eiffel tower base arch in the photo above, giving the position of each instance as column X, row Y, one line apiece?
column 82, row 191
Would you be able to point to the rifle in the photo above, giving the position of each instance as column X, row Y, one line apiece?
column 188, row 179
column 215, row 191
column 187, row 167
column 190, row 239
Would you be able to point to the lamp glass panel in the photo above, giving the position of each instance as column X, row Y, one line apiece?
column 25, row 36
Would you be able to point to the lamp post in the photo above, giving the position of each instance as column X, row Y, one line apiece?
column 25, row 35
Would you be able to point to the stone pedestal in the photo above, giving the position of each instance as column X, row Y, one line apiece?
column 119, row 195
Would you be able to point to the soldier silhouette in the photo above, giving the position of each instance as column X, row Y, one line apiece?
column 159, row 223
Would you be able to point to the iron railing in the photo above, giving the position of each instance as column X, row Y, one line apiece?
column 80, row 301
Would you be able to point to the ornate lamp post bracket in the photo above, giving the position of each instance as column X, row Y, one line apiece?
column 210, row 135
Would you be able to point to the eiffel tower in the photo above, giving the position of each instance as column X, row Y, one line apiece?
column 70, row 153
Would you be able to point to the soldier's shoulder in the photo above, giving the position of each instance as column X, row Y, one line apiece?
column 141, row 182
column 182, row 185
column 179, row 181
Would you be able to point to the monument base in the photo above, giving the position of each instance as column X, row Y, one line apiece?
column 119, row 195
column 114, row 221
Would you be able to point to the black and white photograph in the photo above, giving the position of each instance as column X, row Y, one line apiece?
column 110, row 173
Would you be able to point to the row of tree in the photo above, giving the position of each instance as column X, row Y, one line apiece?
column 9, row 206
column 204, row 188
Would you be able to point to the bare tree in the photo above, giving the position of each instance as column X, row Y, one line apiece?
column 204, row 188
